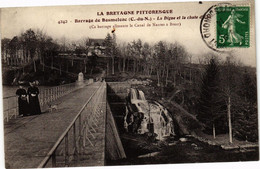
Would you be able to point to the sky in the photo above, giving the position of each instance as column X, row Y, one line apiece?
column 14, row 21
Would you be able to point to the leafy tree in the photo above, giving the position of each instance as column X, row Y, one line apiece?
column 123, row 53
column 159, row 56
column 45, row 44
column 209, row 104
column 146, row 52
column 30, row 41
column 92, row 62
column 110, row 49
column 245, row 119
column 229, row 87
column 135, row 53
column 4, row 48
column 14, row 46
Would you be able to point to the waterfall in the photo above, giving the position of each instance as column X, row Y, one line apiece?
column 133, row 94
column 152, row 113
column 141, row 94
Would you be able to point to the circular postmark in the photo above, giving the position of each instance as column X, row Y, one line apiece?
column 208, row 26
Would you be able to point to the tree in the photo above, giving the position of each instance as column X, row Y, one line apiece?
column 44, row 45
column 123, row 54
column 146, row 52
column 138, row 47
column 30, row 42
column 14, row 46
column 209, row 104
column 4, row 48
column 177, row 55
column 93, row 61
column 135, row 53
column 246, row 120
column 160, row 49
column 229, row 81
column 110, row 49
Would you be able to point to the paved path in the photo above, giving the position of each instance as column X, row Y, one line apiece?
column 28, row 139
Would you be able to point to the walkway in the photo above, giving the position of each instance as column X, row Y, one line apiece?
column 29, row 139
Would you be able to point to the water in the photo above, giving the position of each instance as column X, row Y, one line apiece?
column 9, row 91
column 190, row 151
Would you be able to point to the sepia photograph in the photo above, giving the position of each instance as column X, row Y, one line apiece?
column 129, row 84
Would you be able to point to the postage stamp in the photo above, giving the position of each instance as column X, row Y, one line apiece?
column 226, row 26
column 232, row 27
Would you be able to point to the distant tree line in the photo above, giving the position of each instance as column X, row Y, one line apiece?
column 33, row 51
column 28, row 47
column 164, row 60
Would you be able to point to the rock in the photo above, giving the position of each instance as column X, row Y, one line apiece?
column 246, row 150
column 148, row 155
column 197, row 148
column 249, row 146
column 183, row 139
column 171, row 144
column 194, row 145
column 229, row 147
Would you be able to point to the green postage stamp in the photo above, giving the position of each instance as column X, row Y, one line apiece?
column 233, row 27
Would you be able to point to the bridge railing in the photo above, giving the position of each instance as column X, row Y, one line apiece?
column 79, row 134
column 46, row 96
column 53, row 93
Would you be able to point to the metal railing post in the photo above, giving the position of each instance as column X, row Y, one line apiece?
column 66, row 150
column 54, row 159
column 7, row 117
column 16, row 109
column 75, row 142
column 80, row 136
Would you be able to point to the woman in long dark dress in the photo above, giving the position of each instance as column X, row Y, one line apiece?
column 34, row 103
column 23, row 106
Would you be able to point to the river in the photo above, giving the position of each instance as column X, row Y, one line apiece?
column 9, row 90
column 190, row 151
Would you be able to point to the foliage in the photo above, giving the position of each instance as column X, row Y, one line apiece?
column 210, row 103
column 108, row 43
column 245, row 118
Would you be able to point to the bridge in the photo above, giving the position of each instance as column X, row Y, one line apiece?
column 81, row 132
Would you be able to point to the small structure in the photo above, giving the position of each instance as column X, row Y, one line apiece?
column 80, row 81
column 90, row 81
column 80, row 77
column 96, row 46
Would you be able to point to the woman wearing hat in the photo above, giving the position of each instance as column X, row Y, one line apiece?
column 22, row 101
column 34, row 104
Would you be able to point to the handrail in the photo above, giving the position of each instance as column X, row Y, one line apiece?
column 65, row 133
column 53, row 87
column 43, row 89
column 46, row 95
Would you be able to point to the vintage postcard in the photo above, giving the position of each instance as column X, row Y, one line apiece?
column 129, row 84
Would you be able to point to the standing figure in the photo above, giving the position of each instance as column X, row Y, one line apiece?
column 230, row 25
column 23, row 105
column 34, row 103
